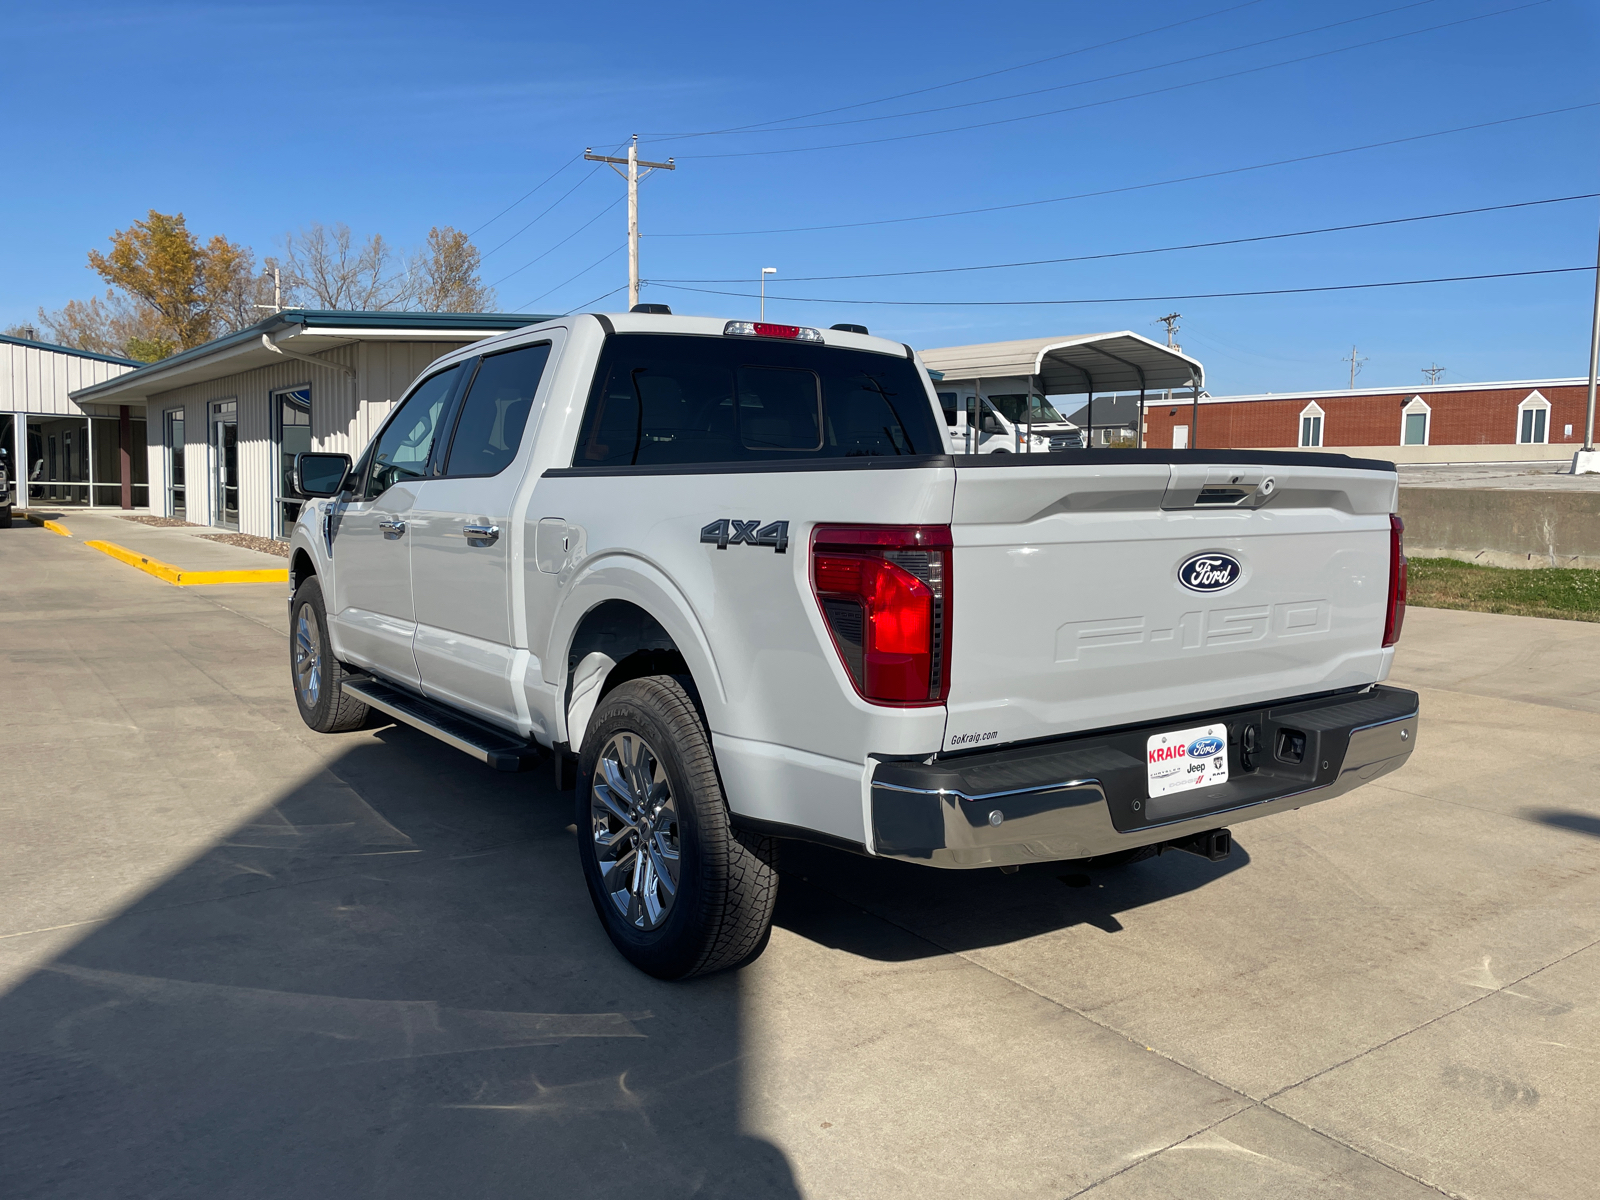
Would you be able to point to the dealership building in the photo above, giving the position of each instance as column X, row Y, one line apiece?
column 1526, row 420
column 219, row 425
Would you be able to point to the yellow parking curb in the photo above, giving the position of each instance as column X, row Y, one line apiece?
column 172, row 575
column 52, row 526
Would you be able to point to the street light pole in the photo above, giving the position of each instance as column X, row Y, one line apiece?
column 765, row 271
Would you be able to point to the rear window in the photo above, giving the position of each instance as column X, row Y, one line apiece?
column 674, row 398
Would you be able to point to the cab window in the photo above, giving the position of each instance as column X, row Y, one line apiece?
column 403, row 448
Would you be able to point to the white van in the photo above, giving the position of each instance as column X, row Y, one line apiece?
column 1010, row 421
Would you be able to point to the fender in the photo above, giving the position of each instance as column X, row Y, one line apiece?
column 618, row 575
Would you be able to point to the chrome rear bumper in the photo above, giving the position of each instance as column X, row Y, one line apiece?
column 1086, row 795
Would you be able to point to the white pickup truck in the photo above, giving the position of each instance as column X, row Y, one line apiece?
column 730, row 577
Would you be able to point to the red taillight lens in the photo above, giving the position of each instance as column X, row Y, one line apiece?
column 885, row 595
column 1397, row 580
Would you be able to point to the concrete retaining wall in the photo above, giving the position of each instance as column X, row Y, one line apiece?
column 1504, row 528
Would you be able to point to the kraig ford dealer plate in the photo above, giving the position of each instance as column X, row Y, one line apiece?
column 1187, row 759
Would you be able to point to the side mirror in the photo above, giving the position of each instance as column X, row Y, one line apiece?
column 321, row 475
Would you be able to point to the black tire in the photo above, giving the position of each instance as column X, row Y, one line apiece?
column 719, row 913
column 315, row 675
column 5, row 517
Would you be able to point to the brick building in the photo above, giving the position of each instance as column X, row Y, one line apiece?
column 1534, row 419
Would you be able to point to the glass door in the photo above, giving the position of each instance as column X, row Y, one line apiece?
column 177, row 501
column 292, row 417
column 225, row 458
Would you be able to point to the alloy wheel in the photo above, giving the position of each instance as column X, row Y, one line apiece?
column 634, row 822
column 308, row 657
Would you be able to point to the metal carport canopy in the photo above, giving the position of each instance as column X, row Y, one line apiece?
column 1102, row 362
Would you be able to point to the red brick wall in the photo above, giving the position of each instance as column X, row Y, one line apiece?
column 1477, row 418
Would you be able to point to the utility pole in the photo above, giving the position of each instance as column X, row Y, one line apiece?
column 1586, row 461
column 1355, row 360
column 765, row 271
column 1171, row 322
column 1432, row 373
column 633, row 162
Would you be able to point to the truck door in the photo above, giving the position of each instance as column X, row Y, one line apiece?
column 464, row 539
column 372, row 541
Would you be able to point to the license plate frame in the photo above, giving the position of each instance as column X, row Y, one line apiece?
column 1171, row 764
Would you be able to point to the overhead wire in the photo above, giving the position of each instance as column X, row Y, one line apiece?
column 758, row 125
column 615, row 250
column 616, row 201
column 1163, row 66
column 1341, row 287
column 525, row 195
column 1135, row 187
column 1239, row 241
column 1243, row 71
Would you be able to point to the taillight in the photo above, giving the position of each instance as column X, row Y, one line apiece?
column 1397, row 580
column 885, row 596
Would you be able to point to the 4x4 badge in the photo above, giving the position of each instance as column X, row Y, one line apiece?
column 725, row 533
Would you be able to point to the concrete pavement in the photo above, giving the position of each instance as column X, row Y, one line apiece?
column 241, row 959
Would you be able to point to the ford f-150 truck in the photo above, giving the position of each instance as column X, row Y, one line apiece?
column 731, row 580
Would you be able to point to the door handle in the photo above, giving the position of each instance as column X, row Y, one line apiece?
column 480, row 533
column 394, row 527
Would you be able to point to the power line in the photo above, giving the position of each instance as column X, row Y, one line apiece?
column 1120, row 99
column 1340, row 287
column 524, row 196
column 559, row 244
column 1263, row 237
column 608, row 254
column 958, row 82
column 542, row 215
column 621, row 287
column 1136, row 187
column 1176, row 62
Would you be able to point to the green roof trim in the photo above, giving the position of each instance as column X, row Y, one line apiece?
column 73, row 350
column 319, row 318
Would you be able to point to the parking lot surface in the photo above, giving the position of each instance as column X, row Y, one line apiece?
column 238, row 959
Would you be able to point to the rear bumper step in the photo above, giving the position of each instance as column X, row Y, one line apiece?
column 1084, row 796
column 501, row 750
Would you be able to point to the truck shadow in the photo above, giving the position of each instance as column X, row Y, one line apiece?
column 826, row 894
column 1562, row 818
column 388, row 982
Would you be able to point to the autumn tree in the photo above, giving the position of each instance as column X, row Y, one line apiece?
column 448, row 274
column 113, row 324
column 193, row 288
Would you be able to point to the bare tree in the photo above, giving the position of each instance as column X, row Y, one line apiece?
column 323, row 267
column 448, row 274
column 115, row 324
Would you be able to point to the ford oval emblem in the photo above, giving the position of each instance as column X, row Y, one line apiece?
column 1209, row 572
column 1206, row 747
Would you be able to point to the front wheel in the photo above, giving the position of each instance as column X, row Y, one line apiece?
column 679, row 891
column 317, row 676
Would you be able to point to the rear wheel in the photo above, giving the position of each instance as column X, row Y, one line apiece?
column 318, row 677
column 679, row 891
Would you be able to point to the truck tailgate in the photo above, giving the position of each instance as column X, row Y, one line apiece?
column 1069, row 613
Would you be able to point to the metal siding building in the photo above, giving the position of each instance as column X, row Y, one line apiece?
column 217, row 443
column 40, row 423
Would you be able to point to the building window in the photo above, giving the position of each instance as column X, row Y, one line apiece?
column 177, row 494
column 1311, row 425
column 1533, row 420
column 292, row 417
column 1414, row 418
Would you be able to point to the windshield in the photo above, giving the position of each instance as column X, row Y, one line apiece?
column 1015, row 409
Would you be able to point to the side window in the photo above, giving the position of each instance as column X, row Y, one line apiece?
column 402, row 450
column 496, row 411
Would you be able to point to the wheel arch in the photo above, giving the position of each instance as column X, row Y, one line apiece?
column 622, row 620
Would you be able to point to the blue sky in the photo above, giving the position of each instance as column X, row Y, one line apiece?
column 254, row 120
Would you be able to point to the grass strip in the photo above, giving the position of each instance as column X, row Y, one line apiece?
column 1566, row 593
